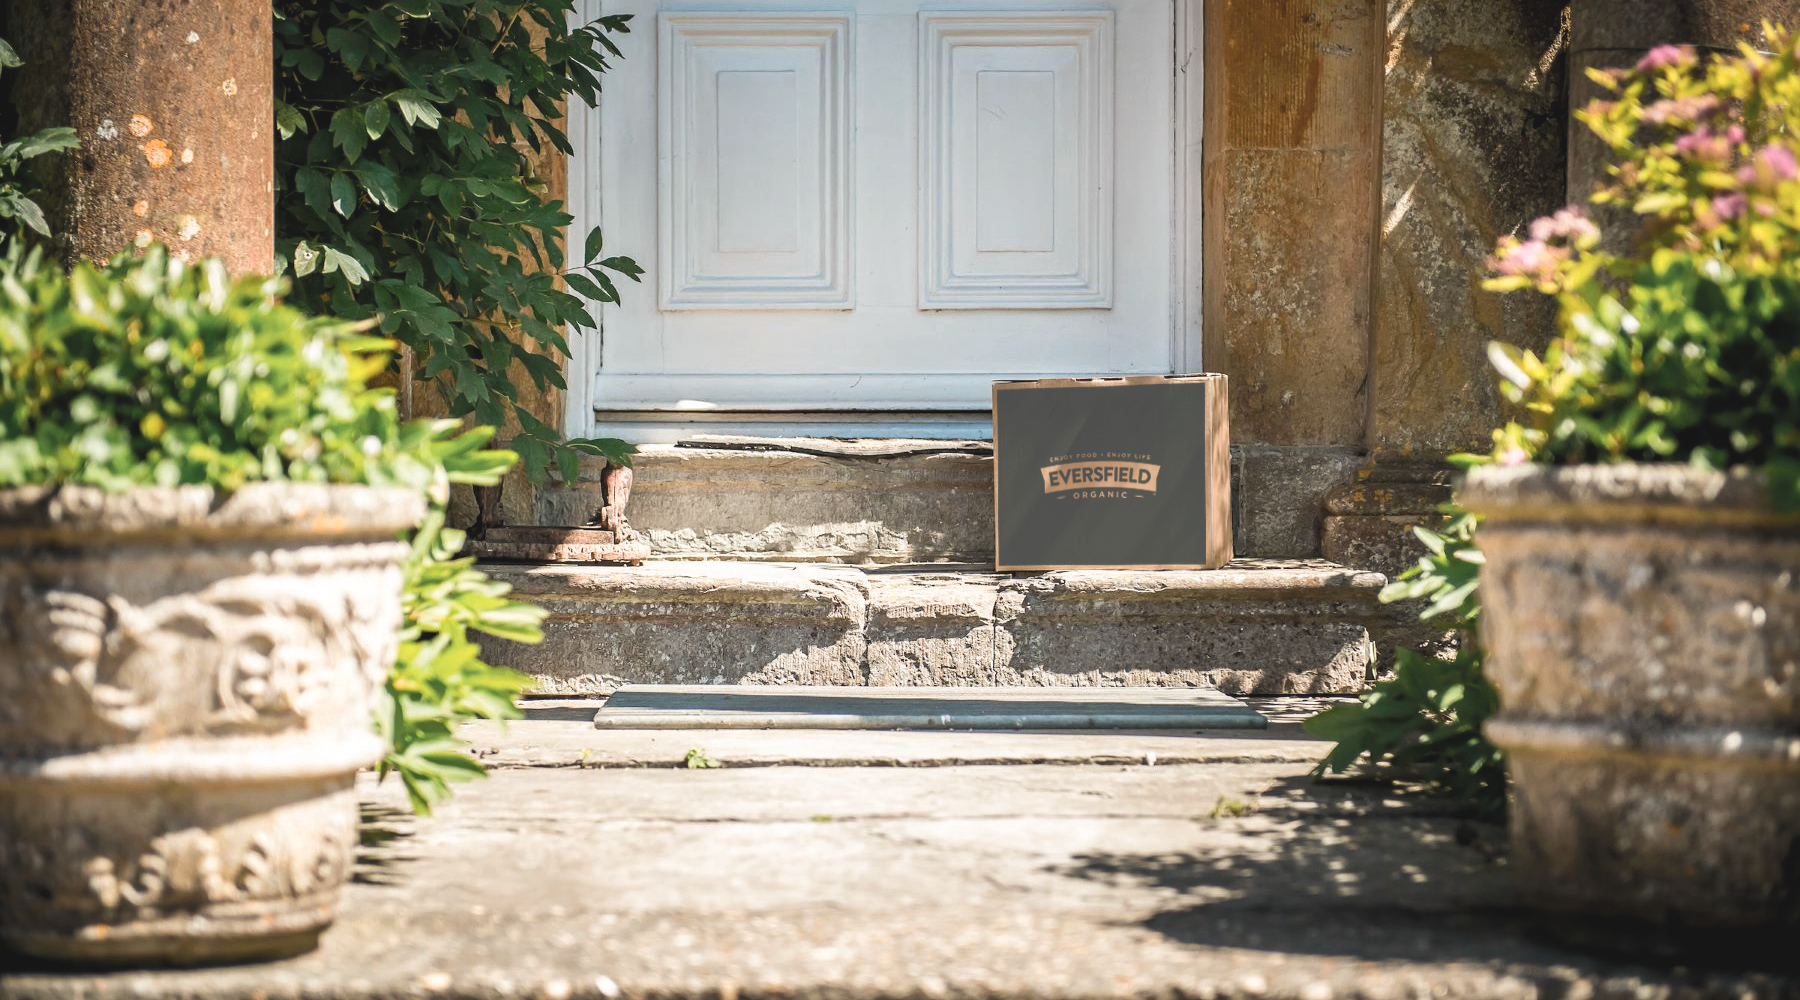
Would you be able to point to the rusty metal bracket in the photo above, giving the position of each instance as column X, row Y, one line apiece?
column 607, row 538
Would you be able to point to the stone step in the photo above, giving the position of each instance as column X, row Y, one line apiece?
column 867, row 502
column 1254, row 627
column 879, row 501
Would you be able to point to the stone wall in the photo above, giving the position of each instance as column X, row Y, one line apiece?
column 1292, row 160
column 1362, row 159
column 1472, row 149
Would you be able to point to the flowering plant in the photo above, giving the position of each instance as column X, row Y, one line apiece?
column 1685, row 344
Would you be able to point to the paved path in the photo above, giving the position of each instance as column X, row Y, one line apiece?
column 590, row 866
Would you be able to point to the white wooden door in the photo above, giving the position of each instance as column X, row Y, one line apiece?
column 883, row 205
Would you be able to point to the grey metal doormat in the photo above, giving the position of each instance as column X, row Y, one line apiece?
column 658, row 706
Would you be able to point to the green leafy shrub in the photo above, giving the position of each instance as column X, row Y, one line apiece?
column 439, row 680
column 1424, row 723
column 19, row 213
column 406, row 192
column 147, row 371
column 1685, row 345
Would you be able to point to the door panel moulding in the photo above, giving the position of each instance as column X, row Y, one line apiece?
column 619, row 397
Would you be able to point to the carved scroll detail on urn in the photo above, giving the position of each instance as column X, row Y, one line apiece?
column 183, row 870
column 245, row 655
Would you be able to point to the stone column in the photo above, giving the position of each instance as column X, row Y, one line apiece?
column 1292, row 167
column 1472, row 149
column 174, row 105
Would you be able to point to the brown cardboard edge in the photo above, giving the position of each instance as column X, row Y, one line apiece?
column 1103, row 381
column 994, row 436
column 1218, row 489
column 1070, row 566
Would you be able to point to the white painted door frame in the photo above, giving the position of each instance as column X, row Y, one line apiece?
column 901, row 406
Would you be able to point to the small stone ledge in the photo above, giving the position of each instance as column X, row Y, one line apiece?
column 1255, row 627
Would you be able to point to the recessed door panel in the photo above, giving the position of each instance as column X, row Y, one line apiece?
column 753, row 114
column 1016, row 209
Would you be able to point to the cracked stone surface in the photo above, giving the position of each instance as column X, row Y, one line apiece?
column 1260, row 627
column 1032, row 880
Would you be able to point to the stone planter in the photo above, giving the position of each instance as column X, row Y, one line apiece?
column 186, row 684
column 1643, row 627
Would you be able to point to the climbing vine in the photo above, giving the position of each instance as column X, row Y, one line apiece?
column 20, row 214
column 406, row 191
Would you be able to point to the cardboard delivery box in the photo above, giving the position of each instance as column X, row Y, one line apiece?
column 1112, row 473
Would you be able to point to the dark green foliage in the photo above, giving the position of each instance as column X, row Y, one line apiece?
column 1447, row 574
column 439, row 680
column 1424, row 723
column 404, row 191
column 19, row 213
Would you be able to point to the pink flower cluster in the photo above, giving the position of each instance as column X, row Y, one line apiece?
column 1692, row 108
column 1532, row 259
column 1551, row 243
column 1666, row 55
column 1569, row 223
column 1706, row 146
column 1772, row 166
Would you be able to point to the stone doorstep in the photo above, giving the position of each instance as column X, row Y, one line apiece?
column 888, row 501
column 1254, row 627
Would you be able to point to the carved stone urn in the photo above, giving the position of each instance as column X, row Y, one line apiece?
column 186, row 682
column 1642, row 624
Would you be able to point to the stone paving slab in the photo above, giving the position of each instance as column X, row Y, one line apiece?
column 999, row 883
column 678, row 706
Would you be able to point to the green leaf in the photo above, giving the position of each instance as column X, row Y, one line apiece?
column 309, row 63
column 379, row 181
column 384, row 27
column 348, row 132
column 343, row 194
column 585, row 285
column 416, row 107
column 375, row 118
column 351, row 46
column 288, row 122
column 315, row 190
column 28, row 212
column 336, row 261
column 306, row 259
column 625, row 266
column 48, row 140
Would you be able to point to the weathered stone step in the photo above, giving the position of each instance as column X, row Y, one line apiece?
column 1254, row 627
column 876, row 501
